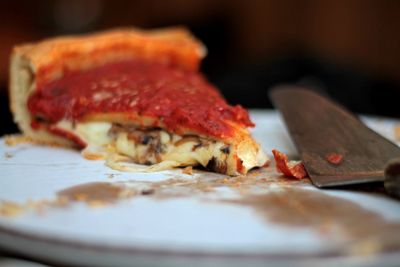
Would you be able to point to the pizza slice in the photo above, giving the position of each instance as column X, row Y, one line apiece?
column 130, row 95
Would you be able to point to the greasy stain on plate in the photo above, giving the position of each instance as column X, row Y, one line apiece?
column 274, row 199
column 96, row 193
column 365, row 231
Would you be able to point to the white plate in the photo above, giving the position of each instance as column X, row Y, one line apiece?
column 197, row 228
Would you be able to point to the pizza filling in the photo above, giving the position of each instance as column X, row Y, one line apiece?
column 154, row 146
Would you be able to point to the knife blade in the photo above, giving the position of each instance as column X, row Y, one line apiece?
column 335, row 147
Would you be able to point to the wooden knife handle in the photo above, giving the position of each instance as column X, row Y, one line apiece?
column 392, row 178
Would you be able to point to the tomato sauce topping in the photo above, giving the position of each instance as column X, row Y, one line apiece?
column 292, row 171
column 179, row 98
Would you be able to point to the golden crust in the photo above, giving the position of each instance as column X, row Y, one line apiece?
column 51, row 58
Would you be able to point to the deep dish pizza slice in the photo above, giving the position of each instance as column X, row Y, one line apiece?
column 130, row 95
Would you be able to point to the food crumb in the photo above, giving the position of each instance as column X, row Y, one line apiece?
column 8, row 155
column 149, row 191
column 10, row 209
column 290, row 169
column 397, row 132
column 91, row 155
column 15, row 139
column 188, row 170
column 96, row 203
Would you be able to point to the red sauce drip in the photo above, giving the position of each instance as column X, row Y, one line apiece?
column 334, row 158
column 180, row 98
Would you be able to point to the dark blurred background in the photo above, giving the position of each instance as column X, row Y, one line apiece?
column 349, row 49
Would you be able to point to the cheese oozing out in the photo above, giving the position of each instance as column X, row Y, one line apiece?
column 160, row 149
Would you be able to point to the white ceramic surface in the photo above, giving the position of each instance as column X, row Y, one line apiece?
column 173, row 232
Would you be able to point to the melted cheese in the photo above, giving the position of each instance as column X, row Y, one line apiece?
column 163, row 149
column 183, row 154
